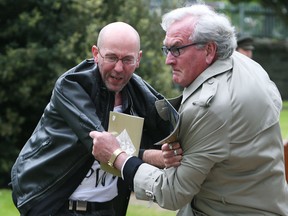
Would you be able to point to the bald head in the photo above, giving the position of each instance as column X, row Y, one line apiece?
column 117, row 35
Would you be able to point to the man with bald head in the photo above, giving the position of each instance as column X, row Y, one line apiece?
column 55, row 173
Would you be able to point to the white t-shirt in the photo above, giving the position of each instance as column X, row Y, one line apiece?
column 98, row 185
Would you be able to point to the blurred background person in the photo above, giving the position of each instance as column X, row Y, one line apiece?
column 245, row 45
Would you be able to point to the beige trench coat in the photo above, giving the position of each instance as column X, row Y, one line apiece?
column 233, row 152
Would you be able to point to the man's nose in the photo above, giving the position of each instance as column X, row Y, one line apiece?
column 170, row 59
column 119, row 66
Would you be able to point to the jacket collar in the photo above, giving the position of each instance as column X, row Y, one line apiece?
column 218, row 67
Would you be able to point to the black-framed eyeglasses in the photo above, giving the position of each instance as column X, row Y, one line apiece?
column 175, row 51
column 113, row 59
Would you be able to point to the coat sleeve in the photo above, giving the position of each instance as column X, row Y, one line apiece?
column 205, row 142
column 75, row 105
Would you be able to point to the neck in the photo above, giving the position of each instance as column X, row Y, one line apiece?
column 118, row 99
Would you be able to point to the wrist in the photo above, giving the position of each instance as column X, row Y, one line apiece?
column 119, row 162
column 114, row 156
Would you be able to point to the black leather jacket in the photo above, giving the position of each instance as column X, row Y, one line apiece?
column 57, row 156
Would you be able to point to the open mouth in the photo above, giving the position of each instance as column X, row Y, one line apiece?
column 116, row 78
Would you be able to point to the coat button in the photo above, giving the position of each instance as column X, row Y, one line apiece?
column 210, row 81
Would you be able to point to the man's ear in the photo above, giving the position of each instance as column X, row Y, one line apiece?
column 95, row 51
column 139, row 59
column 211, row 49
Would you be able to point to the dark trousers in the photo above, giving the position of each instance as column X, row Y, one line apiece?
column 80, row 208
column 66, row 212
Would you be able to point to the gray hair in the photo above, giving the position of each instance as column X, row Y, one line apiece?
column 209, row 27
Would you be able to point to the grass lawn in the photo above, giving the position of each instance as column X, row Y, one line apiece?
column 284, row 120
column 7, row 207
column 139, row 207
column 135, row 208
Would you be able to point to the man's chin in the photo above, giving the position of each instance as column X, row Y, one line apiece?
column 115, row 88
column 176, row 79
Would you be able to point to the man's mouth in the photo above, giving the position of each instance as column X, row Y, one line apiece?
column 117, row 78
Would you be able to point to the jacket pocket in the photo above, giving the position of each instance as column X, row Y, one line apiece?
column 30, row 153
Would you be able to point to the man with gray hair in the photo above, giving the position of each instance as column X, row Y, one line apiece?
column 229, row 127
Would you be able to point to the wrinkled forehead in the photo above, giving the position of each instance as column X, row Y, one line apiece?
column 180, row 30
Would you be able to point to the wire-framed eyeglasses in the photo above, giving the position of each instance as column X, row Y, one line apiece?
column 113, row 59
column 175, row 51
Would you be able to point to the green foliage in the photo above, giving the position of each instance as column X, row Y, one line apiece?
column 279, row 6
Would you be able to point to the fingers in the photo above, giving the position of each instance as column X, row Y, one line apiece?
column 172, row 154
column 100, row 150
column 173, row 161
column 93, row 134
column 170, row 146
column 169, row 150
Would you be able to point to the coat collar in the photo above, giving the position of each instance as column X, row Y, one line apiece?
column 218, row 67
